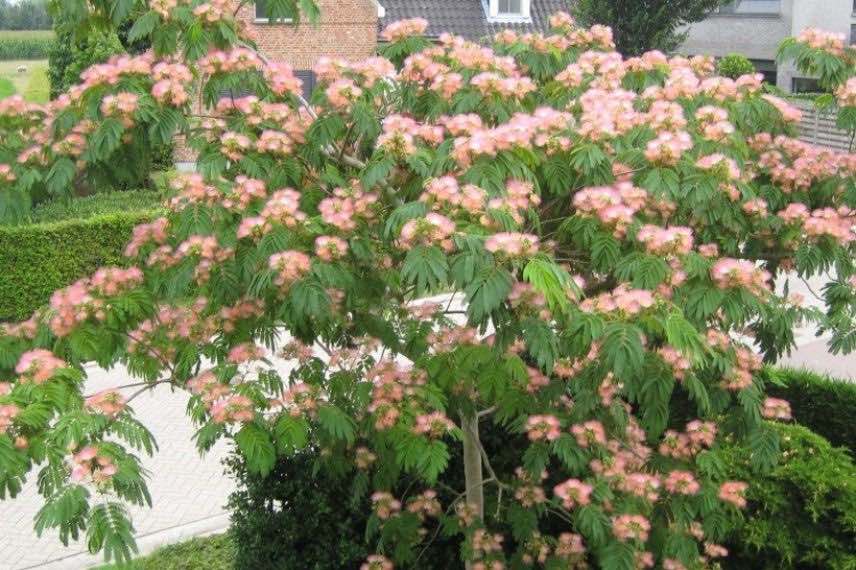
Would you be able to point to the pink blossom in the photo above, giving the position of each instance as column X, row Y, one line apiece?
column 733, row 492
column 38, row 365
column 681, row 483
column 776, row 409
column 543, row 427
column 631, row 527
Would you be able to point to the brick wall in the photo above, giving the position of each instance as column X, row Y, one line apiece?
column 347, row 28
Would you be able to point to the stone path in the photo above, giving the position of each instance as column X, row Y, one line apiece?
column 189, row 492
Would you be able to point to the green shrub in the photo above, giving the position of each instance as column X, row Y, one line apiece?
column 296, row 518
column 36, row 260
column 734, row 65
column 34, row 44
column 72, row 54
column 824, row 405
column 96, row 205
column 802, row 515
column 207, row 553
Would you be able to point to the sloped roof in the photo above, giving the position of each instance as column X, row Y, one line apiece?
column 466, row 18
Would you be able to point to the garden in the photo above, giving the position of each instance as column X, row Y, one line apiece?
column 465, row 307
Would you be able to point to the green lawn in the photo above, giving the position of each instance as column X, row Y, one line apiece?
column 26, row 34
column 208, row 553
column 32, row 84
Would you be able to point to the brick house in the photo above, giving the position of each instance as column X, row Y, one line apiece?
column 349, row 29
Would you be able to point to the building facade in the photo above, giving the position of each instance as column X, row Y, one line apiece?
column 755, row 28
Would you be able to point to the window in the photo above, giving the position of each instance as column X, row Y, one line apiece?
column 308, row 78
column 262, row 14
column 853, row 34
column 507, row 10
column 767, row 68
column 805, row 85
column 261, row 10
column 760, row 7
column 510, row 7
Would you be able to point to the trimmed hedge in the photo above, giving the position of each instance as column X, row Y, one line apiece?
column 800, row 516
column 96, row 205
column 822, row 404
column 38, row 259
column 34, row 44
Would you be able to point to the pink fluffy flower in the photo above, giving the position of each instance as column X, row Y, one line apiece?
column 109, row 402
column 543, row 428
column 404, row 29
column 776, row 409
column 681, row 483
column 38, row 365
column 330, row 248
column 733, row 492
column 631, row 527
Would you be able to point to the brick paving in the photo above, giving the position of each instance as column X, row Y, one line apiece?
column 188, row 491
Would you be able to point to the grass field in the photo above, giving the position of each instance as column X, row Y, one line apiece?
column 32, row 84
column 26, row 34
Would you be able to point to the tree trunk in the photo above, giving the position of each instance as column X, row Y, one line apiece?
column 473, row 464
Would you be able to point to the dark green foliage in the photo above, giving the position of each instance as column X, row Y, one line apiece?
column 71, row 54
column 824, row 405
column 25, row 45
column 38, row 259
column 96, row 205
column 734, row 65
column 802, row 515
column 296, row 518
column 642, row 25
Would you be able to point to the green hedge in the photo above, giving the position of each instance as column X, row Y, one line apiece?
column 96, row 205
column 824, row 405
column 38, row 259
column 800, row 516
column 25, row 44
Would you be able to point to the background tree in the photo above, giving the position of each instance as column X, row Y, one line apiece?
column 642, row 25
column 24, row 15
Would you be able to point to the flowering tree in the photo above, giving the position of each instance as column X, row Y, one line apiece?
column 610, row 228
column 828, row 57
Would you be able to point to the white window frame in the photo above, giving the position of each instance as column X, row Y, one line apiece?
column 491, row 8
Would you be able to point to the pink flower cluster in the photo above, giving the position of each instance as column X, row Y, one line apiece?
column 121, row 106
column 330, row 248
column 728, row 272
column 721, row 165
column 545, row 427
column 697, row 435
column 38, row 366
column 830, row 42
column 776, row 409
column 679, row 363
column 377, row 562
column 673, row 240
column 425, row 505
column 789, row 113
column 432, row 229
column 144, row 233
column 108, row 402
column 668, row 147
column 733, row 492
column 631, row 527
column 392, row 382
column 713, row 123
column 172, row 81
column 87, row 298
column 622, row 299
column 8, row 412
column 400, row 134
column 573, row 493
column 404, row 29
column 385, row 505
column 88, row 465
column 614, row 206
column 839, row 225
column 347, row 206
column 681, row 483
column 492, row 84
column 289, row 266
column 7, row 174
column 846, row 93
column 512, row 244
column 445, row 192
column 589, row 433
column 434, row 425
